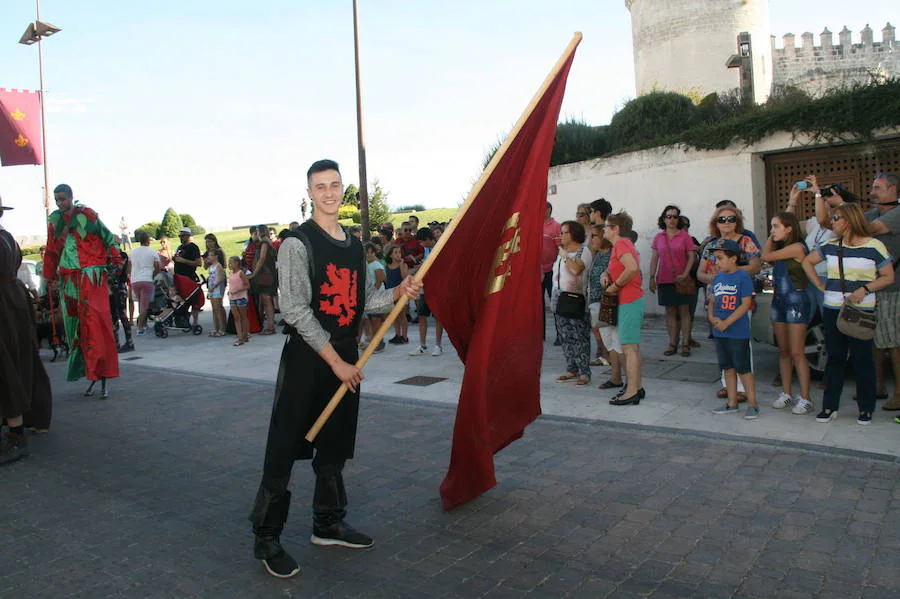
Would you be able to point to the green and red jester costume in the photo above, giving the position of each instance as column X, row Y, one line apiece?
column 79, row 247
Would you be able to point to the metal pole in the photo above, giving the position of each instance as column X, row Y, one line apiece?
column 37, row 7
column 360, row 137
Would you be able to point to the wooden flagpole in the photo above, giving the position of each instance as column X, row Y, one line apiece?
column 423, row 269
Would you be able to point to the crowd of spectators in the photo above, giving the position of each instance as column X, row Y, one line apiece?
column 837, row 267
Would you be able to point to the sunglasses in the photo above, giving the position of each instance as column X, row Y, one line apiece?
column 671, row 216
column 726, row 219
column 580, row 214
column 836, row 217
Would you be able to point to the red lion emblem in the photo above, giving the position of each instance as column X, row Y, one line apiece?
column 340, row 294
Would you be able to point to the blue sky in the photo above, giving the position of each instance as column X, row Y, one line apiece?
column 217, row 108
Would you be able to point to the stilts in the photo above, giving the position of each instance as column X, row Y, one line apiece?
column 104, row 393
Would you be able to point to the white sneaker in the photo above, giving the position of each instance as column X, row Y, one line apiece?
column 437, row 350
column 783, row 401
column 804, row 406
column 420, row 351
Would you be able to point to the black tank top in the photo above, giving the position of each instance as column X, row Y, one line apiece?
column 338, row 281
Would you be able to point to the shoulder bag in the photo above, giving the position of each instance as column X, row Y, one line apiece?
column 569, row 304
column 687, row 286
column 852, row 321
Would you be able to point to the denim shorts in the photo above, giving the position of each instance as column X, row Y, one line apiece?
column 791, row 308
column 240, row 302
column 733, row 353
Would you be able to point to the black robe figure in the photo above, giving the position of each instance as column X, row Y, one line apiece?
column 323, row 299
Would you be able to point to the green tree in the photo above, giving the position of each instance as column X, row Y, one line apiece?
column 188, row 221
column 379, row 212
column 170, row 224
column 351, row 196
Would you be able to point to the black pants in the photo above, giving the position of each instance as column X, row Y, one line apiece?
column 118, row 302
column 546, row 292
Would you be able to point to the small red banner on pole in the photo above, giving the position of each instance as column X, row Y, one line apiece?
column 20, row 127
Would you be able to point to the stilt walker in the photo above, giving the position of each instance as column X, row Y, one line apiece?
column 79, row 248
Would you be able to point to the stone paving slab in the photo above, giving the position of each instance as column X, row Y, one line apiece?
column 146, row 495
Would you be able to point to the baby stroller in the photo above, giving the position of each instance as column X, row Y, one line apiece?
column 175, row 315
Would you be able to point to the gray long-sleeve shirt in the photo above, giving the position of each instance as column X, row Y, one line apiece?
column 296, row 294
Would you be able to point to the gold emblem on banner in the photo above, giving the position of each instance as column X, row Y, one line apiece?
column 21, row 141
column 17, row 115
column 501, row 267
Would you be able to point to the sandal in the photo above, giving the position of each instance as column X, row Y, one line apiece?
column 583, row 380
column 267, row 332
column 686, row 351
column 610, row 385
column 599, row 361
column 237, row 343
column 566, row 377
column 670, row 351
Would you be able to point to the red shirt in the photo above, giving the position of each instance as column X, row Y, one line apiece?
column 632, row 289
column 413, row 251
column 550, row 244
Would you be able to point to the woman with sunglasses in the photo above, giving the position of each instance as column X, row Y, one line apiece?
column 867, row 267
column 623, row 279
column 727, row 222
column 673, row 254
column 570, row 274
column 583, row 218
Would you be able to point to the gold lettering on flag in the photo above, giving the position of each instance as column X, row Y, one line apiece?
column 501, row 267
column 17, row 115
column 21, row 141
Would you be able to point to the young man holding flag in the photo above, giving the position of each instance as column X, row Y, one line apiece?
column 321, row 276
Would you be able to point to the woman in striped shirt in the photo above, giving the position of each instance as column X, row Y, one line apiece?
column 867, row 268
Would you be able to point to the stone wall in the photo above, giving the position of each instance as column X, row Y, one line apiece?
column 683, row 46
column 835, row 63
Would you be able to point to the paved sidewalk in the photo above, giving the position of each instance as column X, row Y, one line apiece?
column 680, row 391
column 146, row 495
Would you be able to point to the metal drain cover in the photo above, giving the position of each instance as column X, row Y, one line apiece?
column 421, row 381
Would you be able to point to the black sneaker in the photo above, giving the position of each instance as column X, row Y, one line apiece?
column 282, row 565
column 126, row 347
column 13, row 447
column 396, row 340
column 865, row 418
column 826, row 416
column 341, row 534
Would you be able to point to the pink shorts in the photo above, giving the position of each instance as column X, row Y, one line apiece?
column 143, row 291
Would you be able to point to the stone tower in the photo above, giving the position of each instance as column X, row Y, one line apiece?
column 683, row 45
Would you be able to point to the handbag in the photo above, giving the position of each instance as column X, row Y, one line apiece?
column 687, row 286
column 569, row 303
column 852, row 321
column 608, row 315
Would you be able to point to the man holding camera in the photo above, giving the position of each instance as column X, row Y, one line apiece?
column 884, row 224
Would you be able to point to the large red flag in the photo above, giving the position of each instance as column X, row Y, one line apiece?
column 484, row 286
column 20, row 127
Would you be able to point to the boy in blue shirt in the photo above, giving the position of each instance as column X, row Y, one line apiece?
column 728, row 313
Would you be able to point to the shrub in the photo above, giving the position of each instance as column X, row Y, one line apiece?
column 652, row 116
column 152, row 229
column 347, row 211
column 576, row 141
column 410, row 208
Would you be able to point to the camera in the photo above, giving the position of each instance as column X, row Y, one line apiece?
column 801, row 185
column 830, row 190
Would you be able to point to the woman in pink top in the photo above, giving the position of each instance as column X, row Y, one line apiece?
column 674, row 253
column 238, row 284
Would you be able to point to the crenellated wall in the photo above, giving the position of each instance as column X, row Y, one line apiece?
column 834, row 63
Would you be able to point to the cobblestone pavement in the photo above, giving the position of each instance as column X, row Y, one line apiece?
column 146, row 495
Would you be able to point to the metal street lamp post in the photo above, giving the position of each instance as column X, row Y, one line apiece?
column 36, row 32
